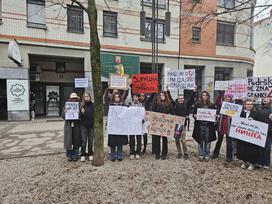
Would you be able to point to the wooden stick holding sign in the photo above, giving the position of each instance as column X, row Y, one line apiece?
column 117, row 81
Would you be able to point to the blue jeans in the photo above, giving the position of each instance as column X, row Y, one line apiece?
column 266, row 152
column 116, row 152
column 205, row 146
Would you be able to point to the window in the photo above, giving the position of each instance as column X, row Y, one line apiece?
column 36, row 13
column 110, row 24
column 226, row 3
column 161, row 3
column 148, row 30
column 75, row 22
column 196, row 34
column 60, row 67
column 225, row 33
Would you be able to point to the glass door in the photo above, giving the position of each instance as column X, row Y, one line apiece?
column 52, row 100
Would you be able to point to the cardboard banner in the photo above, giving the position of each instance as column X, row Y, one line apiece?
column 231, row 109
column 221, row 85
column 205, row 114
column 162, row 124
column 238, row 88
column 72, row 110
column 250, row 131
column 124, row 120
column 259, row 87
column 81, row 83
column 180, row 79
column 118, row 82
column 145, row 83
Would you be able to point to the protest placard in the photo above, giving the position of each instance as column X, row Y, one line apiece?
column 205, row 114
column 180, row 79
column 238, row 88
column 145, row 83
column 251, row 131
column 72, row 111
column 81, row 82
column 124, row 120
column 162, row 124
column 221, row 85
column 259, row 87
column 118, row 82
column 231, row 109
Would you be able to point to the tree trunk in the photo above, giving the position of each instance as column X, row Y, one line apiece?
column 97, row 85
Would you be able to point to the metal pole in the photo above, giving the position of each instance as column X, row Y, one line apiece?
column 153, row 36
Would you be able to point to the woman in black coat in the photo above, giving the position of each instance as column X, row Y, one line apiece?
column 162, row 105
column 247, row 152
column 116, row 142
column 204, row 131
column 86, row 126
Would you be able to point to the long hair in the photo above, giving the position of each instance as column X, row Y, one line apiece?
column 166, row 102
column 116, row 94
column 201, row 102
column 83, row 102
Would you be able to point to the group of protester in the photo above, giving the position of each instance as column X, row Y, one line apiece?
column 204, row 132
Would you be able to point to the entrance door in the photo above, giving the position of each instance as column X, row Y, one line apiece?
column 3, row 100
column 52, row 100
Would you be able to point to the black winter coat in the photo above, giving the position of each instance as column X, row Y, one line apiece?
column 87, row 117
column 246, row 151
column 197, row 133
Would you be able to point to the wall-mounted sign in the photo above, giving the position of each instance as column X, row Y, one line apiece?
column 14, row 52
column 81, row 82
column 17, row 95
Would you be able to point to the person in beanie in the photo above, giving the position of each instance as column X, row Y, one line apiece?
column 86, row 125
column 72, row 140
column 265, row 115
column 224, row 123
column 204, row 131
column 116, row 142
column 135, row 153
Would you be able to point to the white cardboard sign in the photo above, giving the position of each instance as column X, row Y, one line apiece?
column 81, row 82
column 259, row 87
column 205, row 114
column 118, row 82
column 238, row 88
column 72, row 111
column 221, row 85
column 231, row 109
column 124, row 120
column 180, row 79
column 251, row 131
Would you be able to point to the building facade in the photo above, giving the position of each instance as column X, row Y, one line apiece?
column 53, row 46
column 263, row 46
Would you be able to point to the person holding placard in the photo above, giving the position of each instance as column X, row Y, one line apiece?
column 135, row 153
column 265, row 116
column 181, row 108
column 116, row 142
column 146, row 102
column 204, row 131
column 162, row 105
column 86, row 125
column 72, row 140
column 224, row 122
column 247, row 152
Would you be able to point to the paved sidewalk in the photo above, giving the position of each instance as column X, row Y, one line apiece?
column 18, row 139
